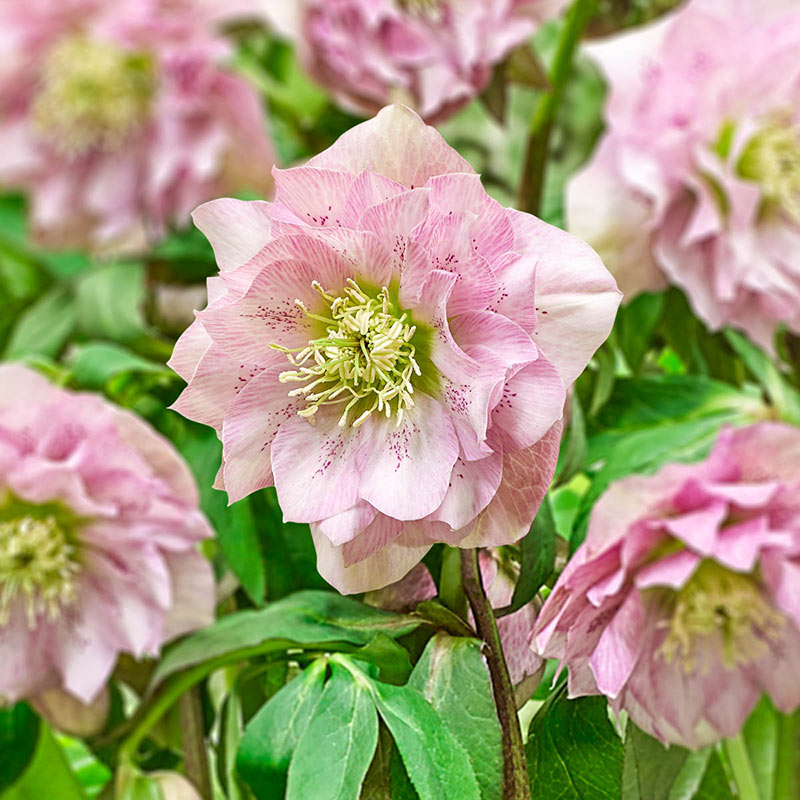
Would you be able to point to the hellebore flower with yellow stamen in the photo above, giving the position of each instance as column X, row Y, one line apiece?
column 99, row 527
column 699, row 168
column 682, row 605
column 118, row 118
column 390, row 348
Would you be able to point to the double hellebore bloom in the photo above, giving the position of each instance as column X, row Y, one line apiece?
column 682, row 605
column 433, row 54
column 99, row 527
column 697, row 180
column 390, row 348
column 117, row 118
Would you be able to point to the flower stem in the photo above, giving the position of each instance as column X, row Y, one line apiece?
column 529, row 198
column 742, row 769
column 193, row 734
column 515, row 769
column 787, row 770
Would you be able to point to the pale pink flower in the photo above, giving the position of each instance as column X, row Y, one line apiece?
column 390, row 347
column 99, row 527
column 435, row 55
column 118, row 118
column 682, row 605
column 697, row 179
column 499, row 577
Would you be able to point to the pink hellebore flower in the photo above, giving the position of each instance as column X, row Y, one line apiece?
column 390, row 348
column 499, row 578
column 99, row 527
column 435, row 55
column 682, row 605
column 118, row 119
column 697, row 180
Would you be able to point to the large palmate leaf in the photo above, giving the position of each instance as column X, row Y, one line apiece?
column 272, row 735
column 336, row 748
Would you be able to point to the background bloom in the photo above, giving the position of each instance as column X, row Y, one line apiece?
column 682, row 604
column 435, row 55
column 118, row 119
column 697, row 179
column 390, row 347
column 99, row 528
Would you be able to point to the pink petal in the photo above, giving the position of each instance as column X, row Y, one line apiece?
column 526, row 478
column 346, row 525
column 319, row 468
column 409, row 467
column 189, row 349
column 497, row 333
column 576, row 297
column 672, row 571
column 516, row 289
column 237, row 229
column 472, row 486
column 316, row 196
column 699, row 529
column 396, row 144
column 259, row 411
column 531, row 402
column 193, row 594
column 385, row 566
column 615, row 656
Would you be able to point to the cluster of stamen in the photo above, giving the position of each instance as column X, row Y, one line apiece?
column 92, row 95
column 725, row 604
column 38, row 565
column 428, row 8
column 365, row 362
column 772, row 160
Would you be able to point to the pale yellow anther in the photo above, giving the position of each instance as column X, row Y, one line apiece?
column 38, row 566
column 720, row 608
column 366, row 360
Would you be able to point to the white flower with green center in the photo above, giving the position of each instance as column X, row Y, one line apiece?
column 92, row 95
column 365, row 361
column 39, row 564
column 772, row 160
column 719, row 602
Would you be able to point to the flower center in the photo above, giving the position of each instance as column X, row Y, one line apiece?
column 728, row 604
column 365, row 361
column 37, row 563
column 92, row 95
column 772, row 160
column 426, row 8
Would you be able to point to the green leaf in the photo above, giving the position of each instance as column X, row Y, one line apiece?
column 235, row 524
column 635, row 324
column 272, row 735
column 94, row 364
column 48, row 774
column 538, row 557
column 310, row 619
column 111, row 302
column 573, row 455
column 335, row 751
column 392, row 660
column 92, row 774
column 44, row 327
column 19, row 733
column 573, row 751
column 785, row 399
column 787, row 766
column 654, row 772
column 437, row 764
column 760, row 735
column 452, row 676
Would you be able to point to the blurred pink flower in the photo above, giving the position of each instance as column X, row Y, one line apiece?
column 99, row 528
column 390, row 348
column 682, row 605
column 435, row 55
column 118, row 119
column 499, row 578
column 697, row 180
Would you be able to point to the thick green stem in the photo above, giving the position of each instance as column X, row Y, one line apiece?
column 742, row 769
column 193, row 734
column 515, row 769
column 538, row 147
